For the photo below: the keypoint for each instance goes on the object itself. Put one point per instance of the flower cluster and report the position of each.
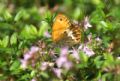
(29, 56)
(61, 60)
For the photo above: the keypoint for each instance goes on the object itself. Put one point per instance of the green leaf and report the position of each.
(15, 65)
(2, 77)
(29, 32)
(33, 30)
(78, 13)
(13, 39)
(7, 15)
(98, 4)
(33, 73)
(109, 60)
(98, 61)
(105, 26)
(25, 77)
(48, 17)
(115, 12)
(5, 41)
(19, 15)
(45, 75)
(97, 16)
(109, 57)
(83, 57)
(0, 42)
(44, 26)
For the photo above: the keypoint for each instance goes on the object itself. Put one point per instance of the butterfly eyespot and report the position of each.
(60, 19)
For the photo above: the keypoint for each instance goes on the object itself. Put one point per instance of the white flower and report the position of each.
(118, 58)
(23, 64)
(44, 66)
(61, 60)
(76, 54)
(57, 72)
(89, 52)
(86, 23)
(64, 51)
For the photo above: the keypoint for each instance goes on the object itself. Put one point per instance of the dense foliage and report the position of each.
(27, 52)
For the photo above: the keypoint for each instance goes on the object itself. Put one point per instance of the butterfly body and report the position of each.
(65, 31)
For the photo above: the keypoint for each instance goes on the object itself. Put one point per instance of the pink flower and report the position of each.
(100, 80)
(33, 62)
(88, 51)
(98, 39)
(44, 66)
(68, 65)
(27, 56)
(75, 54)
(33, 50)
(86, 23)
(64, 51)
(57, 72)
(23, 64)
(61, 60)
(33, 79)
(47, 34)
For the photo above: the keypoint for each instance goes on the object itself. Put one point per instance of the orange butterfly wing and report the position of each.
(60, 25)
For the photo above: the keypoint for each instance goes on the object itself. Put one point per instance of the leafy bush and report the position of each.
(27, 52)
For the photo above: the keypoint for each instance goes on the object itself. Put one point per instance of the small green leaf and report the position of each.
(33, 73)
(48, 17)
(109, 60)
(29, 32)
(45, 75)
(109, 57)
(0, 42)
(98, 61)
(5, 41)
(33, 30)
(13, 39)
(97, 16)
(25, 77)
(78, 13)
(83, 57)
(7, 15)
(19, 15)
(43, 28)
(15, 65)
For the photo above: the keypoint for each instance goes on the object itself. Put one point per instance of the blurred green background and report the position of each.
(23, 22)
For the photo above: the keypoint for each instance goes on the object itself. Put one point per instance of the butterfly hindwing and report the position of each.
(74, 34)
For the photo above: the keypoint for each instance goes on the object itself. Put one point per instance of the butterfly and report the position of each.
(63, 30)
